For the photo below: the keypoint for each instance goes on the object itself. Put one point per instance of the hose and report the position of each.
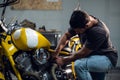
(53, 71)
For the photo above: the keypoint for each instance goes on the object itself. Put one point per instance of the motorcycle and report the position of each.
(26, 54)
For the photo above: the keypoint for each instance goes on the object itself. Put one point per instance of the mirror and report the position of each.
(4, 3)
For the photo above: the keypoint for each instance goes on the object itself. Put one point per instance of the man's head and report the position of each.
(79, 19)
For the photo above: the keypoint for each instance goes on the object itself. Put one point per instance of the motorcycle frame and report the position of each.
(8, 50)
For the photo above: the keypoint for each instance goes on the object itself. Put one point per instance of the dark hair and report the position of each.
(78, 19)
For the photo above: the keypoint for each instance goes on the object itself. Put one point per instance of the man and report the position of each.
(97, 53)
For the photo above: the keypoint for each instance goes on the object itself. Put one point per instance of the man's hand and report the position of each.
(59, 61)
(55, 54)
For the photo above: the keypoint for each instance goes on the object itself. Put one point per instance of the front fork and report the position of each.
(2, 77)
(4, 69)
(9, 51)
(18, 75)
(7, 66)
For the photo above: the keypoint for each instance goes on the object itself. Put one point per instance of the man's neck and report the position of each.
(93, 21)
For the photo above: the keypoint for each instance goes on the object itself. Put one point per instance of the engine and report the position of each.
(63, 73)
(37, 65)
(33, 63)
(23, 62)
(41, 56)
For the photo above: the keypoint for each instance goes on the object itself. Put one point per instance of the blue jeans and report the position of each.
(95, 63)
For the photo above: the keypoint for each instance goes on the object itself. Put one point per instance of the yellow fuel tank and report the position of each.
(27, 39)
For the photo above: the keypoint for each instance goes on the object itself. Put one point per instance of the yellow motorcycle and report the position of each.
(26, 54)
